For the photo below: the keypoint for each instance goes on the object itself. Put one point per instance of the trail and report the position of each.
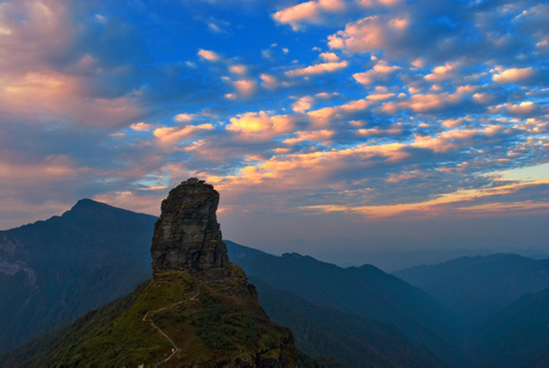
(175, 349)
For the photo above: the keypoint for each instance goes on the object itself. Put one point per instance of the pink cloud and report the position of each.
(317, 69)
(309, 12)
(513, 75)
(209, 55)
(172, 135)
(369, 34)
(423, 103)
(380, 71)
(303, 104)
(141, 126)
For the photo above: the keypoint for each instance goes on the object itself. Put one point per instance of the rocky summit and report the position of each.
(187, 235)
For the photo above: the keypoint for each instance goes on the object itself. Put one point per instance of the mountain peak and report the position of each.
(87, 204)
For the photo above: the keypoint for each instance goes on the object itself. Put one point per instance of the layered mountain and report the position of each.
(517, 336)
(385, 305)
(53, 271)
(477, 287)
(198, 310)
(352, 340)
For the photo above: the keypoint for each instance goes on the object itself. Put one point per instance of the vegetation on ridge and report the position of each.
(208, 324)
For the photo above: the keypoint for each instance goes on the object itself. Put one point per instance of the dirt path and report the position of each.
(175, 349)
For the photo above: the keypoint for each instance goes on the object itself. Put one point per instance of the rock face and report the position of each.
(187, 235)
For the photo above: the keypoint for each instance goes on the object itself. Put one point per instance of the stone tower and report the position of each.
(187, 234)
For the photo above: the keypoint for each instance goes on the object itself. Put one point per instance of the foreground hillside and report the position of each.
(176, 320)
(52, 271)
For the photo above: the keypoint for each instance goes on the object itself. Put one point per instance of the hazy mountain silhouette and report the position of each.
(476, 287)
(54, 270)
(367, 292)
(350, 339)
(517, 336)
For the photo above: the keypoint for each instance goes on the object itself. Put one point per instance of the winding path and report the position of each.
(175, 349)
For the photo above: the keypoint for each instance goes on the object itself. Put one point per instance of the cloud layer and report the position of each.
(376, 109)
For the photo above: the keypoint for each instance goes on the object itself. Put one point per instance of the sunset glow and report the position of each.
(365, 109)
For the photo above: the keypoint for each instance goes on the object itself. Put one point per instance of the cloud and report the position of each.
(209, 55)
(183, 118)
(172, 135)
(141, 126)
(329, 56)
(238, 69)
(303, 104)
(513, 75)
(259, 126)
(379, 71)
(317, 69)
(268, 81)
(422, 103)
(524, 109)
(323, 135)
(442, 72)
(245, 87)
(309, 12)
(369, 34)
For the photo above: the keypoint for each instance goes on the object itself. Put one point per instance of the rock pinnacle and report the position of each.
(187, 234)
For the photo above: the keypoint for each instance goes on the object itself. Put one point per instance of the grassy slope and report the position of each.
(221, 326)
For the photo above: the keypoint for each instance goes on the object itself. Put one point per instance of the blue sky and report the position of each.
(323, 112)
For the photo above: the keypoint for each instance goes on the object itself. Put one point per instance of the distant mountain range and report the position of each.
(516, 336)
(365, 292)
(468, 311)
(477, 287)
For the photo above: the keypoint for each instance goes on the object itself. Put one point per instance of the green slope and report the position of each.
(175, 320)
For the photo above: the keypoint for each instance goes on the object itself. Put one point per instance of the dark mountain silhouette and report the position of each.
(476, 287)
(197, 311)
(53, 271)
(350, 339)
(366, 292)
(517, 336)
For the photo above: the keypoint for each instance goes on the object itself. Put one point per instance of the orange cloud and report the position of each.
(260, 126)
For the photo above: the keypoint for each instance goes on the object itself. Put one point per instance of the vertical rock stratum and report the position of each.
(197, 311)
(187, 235)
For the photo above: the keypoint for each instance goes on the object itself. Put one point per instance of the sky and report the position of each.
(331, 127)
